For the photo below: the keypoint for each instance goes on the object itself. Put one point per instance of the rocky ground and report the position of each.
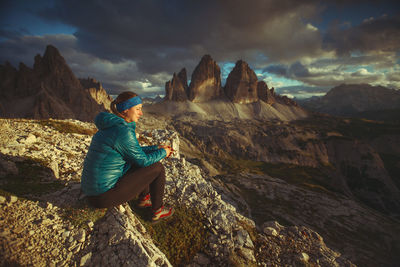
(45, 221)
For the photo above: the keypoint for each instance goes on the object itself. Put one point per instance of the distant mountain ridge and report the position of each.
(242, 85)
(49, 90)
(355, 100)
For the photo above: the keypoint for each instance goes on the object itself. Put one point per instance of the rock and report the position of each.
(248, 254)
(264, 93)
(13, 199)
(243, 239)
(121, 209)
(7, 168)
(85, 259)
(2, 199)
(4, 150)
(80, 236)
(304, 257)
(55, 252)
(177, 88)
(30, 139)
(66, 234)
(97, 92)
(270, 231)
(273, 224)
(205, 83)
(54, 167)
(241, 84)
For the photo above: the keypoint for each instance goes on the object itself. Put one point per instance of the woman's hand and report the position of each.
(168, 149)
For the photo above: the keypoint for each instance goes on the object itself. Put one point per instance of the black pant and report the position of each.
(137, 181)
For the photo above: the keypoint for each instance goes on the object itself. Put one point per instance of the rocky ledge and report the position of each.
(37, 229)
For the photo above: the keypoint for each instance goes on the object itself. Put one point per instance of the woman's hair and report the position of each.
(121, 98)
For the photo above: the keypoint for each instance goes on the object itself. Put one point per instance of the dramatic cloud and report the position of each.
(139, 44)
(374, 34)
(168, 35)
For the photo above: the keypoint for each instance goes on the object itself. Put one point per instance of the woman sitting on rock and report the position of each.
(117, 169)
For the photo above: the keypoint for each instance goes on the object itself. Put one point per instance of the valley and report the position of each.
(337, 176)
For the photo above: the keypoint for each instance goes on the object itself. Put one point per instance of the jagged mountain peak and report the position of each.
(49, 90)
(205, 84)
(241, 84)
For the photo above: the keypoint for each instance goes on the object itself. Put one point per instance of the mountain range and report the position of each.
(357, 100)
(242, 97)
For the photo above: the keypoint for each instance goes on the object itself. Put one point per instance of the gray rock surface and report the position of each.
(36, 232)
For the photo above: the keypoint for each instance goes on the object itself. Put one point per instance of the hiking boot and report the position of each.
(162, 213)
(145, 202)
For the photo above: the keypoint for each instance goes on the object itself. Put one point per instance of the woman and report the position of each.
(117, 169)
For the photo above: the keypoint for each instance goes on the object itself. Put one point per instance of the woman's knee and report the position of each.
(158, 166)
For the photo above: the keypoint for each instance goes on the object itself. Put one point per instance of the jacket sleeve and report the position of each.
(149, 149)
(131, 151)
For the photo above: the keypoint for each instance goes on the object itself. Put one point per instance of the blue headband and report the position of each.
(131, 102)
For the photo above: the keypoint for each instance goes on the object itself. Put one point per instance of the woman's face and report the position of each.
(133, 114)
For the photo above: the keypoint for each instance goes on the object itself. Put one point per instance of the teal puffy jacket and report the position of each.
(113, 150)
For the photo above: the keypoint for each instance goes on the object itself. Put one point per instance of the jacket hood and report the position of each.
(106, 120)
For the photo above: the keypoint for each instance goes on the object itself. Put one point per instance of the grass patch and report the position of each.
(80, 214)
(181, 237)
(31, 180)
(67, 127)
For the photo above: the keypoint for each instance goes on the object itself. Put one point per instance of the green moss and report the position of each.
(79, 215)
(67, 127)
(31, 180)
(180, 237)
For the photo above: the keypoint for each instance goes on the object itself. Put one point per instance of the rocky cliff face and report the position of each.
(205, 84)
(264, 93)
(241, 84)
(97, 92)
(177, 88)
(119, 237)
(50, 89)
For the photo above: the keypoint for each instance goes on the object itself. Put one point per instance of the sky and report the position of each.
(301, 48)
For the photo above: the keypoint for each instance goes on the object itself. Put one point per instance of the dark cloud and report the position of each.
(374, 34)
(24, 48)
(280, 70)
(294, 71)
(298, 70)
(140, 44)
(167, 35)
